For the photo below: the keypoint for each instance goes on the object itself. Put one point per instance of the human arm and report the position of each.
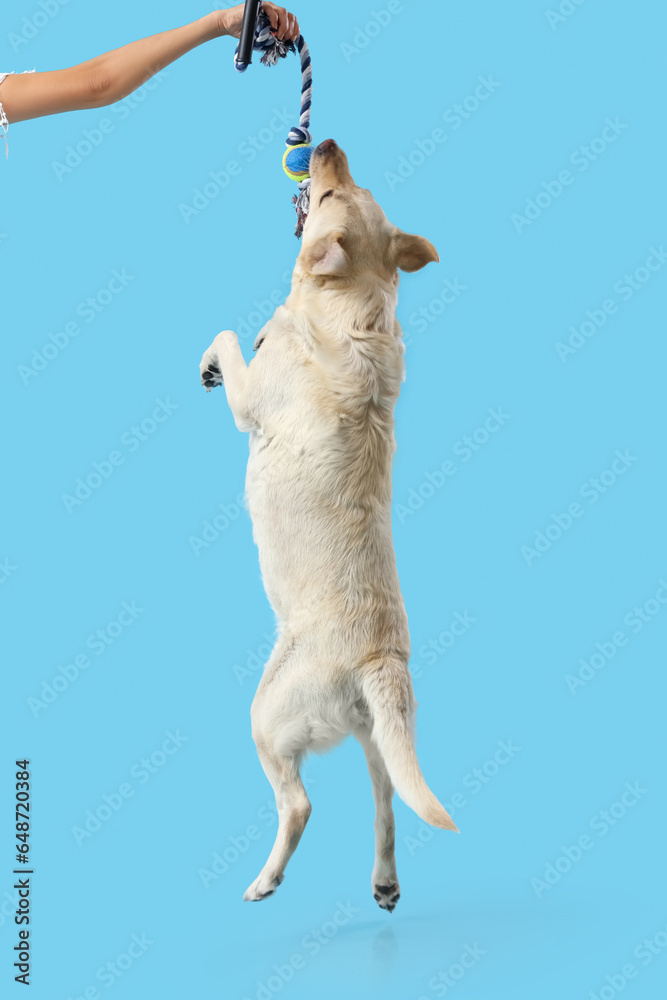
(110, 77)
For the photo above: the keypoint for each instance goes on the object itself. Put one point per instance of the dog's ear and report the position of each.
(411, 253)
(325, 256)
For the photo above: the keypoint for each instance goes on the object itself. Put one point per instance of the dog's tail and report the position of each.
(388, 692)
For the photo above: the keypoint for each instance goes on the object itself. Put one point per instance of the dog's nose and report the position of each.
(326, 147)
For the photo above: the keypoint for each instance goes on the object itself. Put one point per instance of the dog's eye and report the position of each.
(325, 195)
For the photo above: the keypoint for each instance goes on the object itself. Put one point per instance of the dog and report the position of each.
(317, 401)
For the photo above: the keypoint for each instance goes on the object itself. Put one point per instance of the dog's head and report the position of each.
(347, 235)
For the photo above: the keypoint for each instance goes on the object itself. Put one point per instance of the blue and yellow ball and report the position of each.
(296, 161)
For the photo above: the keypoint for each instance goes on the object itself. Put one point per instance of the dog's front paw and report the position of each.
(386, 895)
(211, 375)
(263, 887)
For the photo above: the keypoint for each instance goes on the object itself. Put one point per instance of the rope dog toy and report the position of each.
(256, 34)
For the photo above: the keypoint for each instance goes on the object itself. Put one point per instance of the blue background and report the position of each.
(183, 663)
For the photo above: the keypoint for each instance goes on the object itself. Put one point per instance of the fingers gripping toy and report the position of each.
(256, 33)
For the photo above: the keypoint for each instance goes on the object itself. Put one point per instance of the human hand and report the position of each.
(285, 25)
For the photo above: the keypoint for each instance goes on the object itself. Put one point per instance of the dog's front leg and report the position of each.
(223, 363)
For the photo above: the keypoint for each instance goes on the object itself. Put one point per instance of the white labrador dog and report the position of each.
(318, 401)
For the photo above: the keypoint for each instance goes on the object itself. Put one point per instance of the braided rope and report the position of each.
(302, 133)
(272, 50)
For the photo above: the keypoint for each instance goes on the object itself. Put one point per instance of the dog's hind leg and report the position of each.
(293, 812)
(384, 880)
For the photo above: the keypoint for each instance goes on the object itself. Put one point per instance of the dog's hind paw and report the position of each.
(386, 895)
(262, 888)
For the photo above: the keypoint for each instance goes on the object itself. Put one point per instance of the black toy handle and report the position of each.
(250, 13)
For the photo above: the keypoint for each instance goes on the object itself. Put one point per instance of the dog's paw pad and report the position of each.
(265, 895)
(387, 896)
(262, 888)
(211, 377)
